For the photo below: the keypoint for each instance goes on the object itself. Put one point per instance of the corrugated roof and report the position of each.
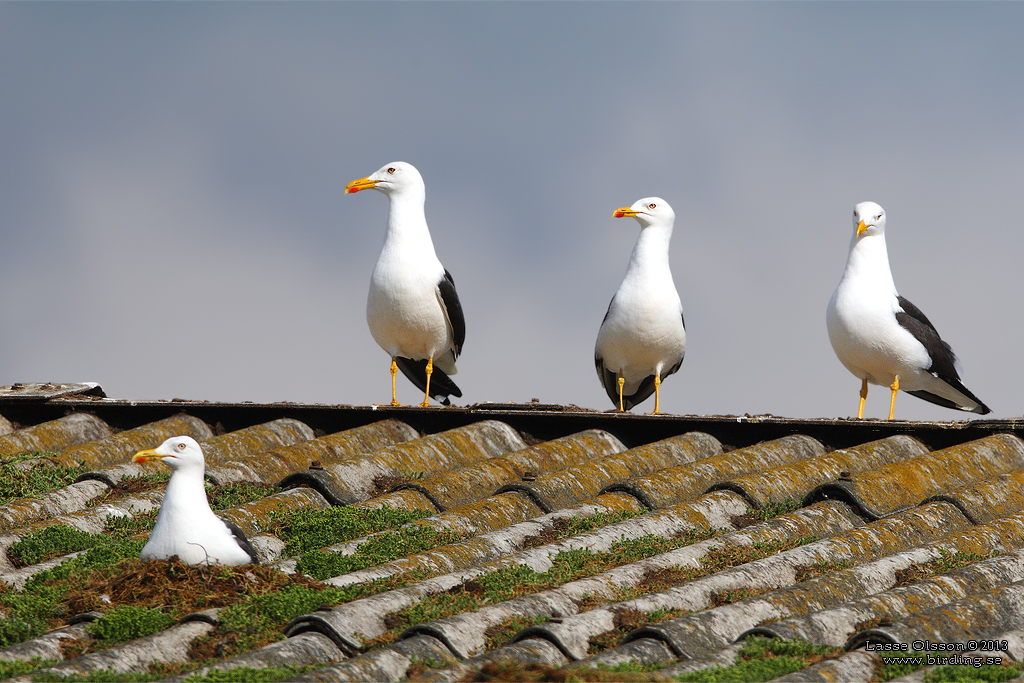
(442, 542)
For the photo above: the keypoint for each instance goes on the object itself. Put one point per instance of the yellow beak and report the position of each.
(861, 228)
(143, 456)
(624, 212)
(361, 184)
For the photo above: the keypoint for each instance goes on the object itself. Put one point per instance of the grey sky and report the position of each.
(172, 222)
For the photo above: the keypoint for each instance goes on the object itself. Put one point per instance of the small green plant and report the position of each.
(37, 608)
(137, 525)
(307, 530)
(248, 675)
(51, 542)
(157, 673)
(17, 483)
(375, 551)
(233, 495)
(946, 562)
(983, 673)
(128, 623)
(12, 669)
(768, 511)
(764, 659)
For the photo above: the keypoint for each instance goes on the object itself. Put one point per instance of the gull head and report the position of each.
(178, 453)
(394, 178)
(868, 219)
(648, 211)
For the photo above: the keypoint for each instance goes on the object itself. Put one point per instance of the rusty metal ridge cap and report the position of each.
(955, 502)
(843, 491)
(320, 481)
(530, 493)
(206, 616)
(542, 633)
(652, 632)
(423, 490)
(880, 635)
(433, 632)
(97, 475)
(629, 489)
(765, 631)
(738, 489)
(316, 624)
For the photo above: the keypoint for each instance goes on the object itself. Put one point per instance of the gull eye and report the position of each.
(878, 217)
(652, 206)
(391, 171)
(181, 446)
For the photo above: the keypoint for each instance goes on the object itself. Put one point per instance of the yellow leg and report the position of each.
(657, 396)
(430, 371)
(895, 386)
(863, 397)
(394, 389)
(622, 383)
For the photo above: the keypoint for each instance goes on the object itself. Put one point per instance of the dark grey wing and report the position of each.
(241, 540)
(453, 309)
(914, 321)
(943, 359)
(441, 385)
(608, 378)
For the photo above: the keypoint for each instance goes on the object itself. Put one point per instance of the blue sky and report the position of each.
(172, 222)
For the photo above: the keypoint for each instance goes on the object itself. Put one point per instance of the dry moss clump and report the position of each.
(176, 587)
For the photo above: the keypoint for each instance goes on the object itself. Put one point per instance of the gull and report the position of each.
(880, 336)
(186, 526)
(412, 308)
(642, 338)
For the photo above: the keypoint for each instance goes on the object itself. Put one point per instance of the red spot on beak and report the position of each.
(618, 214)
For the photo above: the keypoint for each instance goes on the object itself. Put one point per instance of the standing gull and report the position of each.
(186, 526)
(412, 308)
(881, 337)
(642, 337)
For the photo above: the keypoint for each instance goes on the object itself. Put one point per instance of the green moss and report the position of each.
(247, 675)
(307, 530)
(256, 621)
(128, 623)
(985, 673)
(375, 551)
(516, 580)
(104, 676)
(124, 528)
(16, 483)
(49, 543)
(233, 495)
(580, 525)
(945, 563)
(12, 669)
(31, 611)
(763, 659)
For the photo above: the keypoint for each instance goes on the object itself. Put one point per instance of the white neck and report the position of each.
(869, 262)
(186, 494)
(407, 224)
(651, 250)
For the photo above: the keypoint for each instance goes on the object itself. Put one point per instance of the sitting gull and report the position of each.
(412, 308)
(642, 337)
(186, 526)
(881, 337)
